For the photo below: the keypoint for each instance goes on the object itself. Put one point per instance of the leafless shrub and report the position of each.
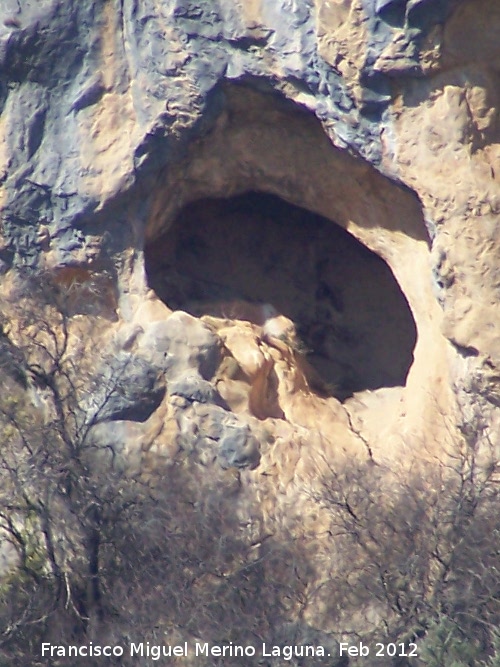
(99, 557)
(416, 545)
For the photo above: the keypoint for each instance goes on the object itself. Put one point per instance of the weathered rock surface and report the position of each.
(338, 161)
(179, 344)
(128, 388)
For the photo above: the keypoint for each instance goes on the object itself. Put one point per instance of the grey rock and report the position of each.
(115, 448)
(238, 448)
(179, 344)
(380, 5)
(128, 388)
(127, 336)
(217, 435)
(170, 57)
(90, 94)
(423, 14)
(194, 388)
(179, 51)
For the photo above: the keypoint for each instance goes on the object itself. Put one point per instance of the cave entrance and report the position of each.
(348, 308)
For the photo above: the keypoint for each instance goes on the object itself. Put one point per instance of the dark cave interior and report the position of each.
(348, 308)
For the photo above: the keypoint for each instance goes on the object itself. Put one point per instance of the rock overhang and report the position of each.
(181, 105)
(167, 111)
(261, 142)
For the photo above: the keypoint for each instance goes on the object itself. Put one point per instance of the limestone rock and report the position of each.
(380, 116)
(194, 388)
(129, 388)
(213, 434)
(281, 222)
(238, 448)
(180, 343)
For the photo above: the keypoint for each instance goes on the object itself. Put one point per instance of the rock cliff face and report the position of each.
(285, 212)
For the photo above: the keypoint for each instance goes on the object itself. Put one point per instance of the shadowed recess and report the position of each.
(349, 310)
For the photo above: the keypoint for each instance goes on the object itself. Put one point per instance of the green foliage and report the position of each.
(445, 645)
(495, 643)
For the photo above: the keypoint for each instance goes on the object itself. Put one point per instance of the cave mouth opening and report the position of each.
(349, 311)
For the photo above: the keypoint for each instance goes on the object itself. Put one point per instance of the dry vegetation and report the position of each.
(100, 558)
